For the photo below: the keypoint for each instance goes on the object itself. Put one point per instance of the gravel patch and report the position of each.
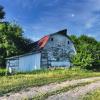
(76, 93)
(31, 92)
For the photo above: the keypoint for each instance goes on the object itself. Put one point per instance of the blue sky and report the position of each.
(41, 17)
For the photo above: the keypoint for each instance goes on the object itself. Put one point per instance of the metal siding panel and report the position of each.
(30, 62)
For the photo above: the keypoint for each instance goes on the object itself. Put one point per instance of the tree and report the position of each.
(12, 41)
(86, 39)
(88, 52)
(83, 59)
(2, 13)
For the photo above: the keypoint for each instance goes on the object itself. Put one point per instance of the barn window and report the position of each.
(51, 39)
(68, 42)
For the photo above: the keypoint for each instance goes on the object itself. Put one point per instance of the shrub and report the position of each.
(83, 58)
(88, 52)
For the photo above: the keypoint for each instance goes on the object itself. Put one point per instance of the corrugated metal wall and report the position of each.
(25, 63)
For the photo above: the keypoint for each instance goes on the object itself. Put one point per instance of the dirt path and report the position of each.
(76, 93)
(31, 92)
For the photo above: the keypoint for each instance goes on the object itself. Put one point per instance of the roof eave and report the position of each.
(33, 52)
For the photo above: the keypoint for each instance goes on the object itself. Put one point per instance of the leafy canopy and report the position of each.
(88, 52)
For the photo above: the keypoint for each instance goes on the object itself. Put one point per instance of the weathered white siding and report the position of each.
(26, 63)
(58, 51)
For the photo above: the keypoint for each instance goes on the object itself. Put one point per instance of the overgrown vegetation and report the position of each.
(88, 52)
(2, 72)
(20, 81)
(94, 95)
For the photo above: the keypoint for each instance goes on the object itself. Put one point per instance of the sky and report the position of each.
(42, 17)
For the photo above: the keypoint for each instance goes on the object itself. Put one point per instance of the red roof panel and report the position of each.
(43, 41)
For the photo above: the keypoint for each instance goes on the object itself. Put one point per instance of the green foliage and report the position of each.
(2, 72)
(88, 52)
(12, 41)
(83, 58)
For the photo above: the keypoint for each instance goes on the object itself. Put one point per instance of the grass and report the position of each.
(2, 72)
(64, 89)
(37, 78)
(94, 95)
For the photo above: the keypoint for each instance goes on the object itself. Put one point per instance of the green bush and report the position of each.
(88, 52)
(83, 58)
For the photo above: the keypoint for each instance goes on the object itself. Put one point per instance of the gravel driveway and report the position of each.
(76, 93)
(70, 95)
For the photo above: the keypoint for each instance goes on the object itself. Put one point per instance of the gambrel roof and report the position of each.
(38, 45)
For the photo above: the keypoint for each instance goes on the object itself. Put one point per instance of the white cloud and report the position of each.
(90, 22)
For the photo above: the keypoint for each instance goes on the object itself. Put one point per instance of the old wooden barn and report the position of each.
(52, 50)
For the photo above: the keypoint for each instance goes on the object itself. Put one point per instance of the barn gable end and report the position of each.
(57, 51)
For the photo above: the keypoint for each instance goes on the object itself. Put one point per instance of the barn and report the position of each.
(53, 50)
